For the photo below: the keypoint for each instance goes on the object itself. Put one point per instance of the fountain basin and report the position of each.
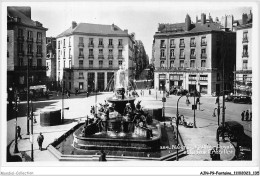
(121, 103)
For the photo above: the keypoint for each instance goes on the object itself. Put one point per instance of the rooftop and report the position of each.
(88, 28)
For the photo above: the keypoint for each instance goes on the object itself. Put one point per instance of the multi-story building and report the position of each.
(243, 73)
(141, 58)
(25, 47)
(89, 55)
(193, 55)
(51, 62)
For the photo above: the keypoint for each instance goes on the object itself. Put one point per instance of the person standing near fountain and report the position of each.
(40, 140)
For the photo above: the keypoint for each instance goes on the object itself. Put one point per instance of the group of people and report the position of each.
(246, 116)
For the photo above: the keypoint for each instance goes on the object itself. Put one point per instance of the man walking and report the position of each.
(243, 115)
(19, 132)
(40, 140)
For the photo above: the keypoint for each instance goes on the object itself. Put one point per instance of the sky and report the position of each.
(140, 17)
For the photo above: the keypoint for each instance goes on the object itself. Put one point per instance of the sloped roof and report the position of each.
(207, 27)
(12, 12)
(89, 28)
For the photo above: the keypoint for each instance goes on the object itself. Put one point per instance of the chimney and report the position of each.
(187, 23)
(203, 18)
(244, 18)
(113, 27)
(125, 30)
(216, 19)
(210, 19)
(74, 24)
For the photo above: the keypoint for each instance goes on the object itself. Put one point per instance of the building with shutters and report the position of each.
(25, 47)
(243, 73)
(89, 55)
(193, 55)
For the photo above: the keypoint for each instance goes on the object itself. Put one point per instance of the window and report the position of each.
(120, 52)
(91, 52)
(163, 43)
(192, 52)
(58, 53)
(203, 51)
(20, 47)
(100, 51)
(100, 63)
(181, 41)
(172, 42)
(80, 63)
(100, 42)
(245, 34)
(110, 42)
(81, 75)
(91, 63)
(181, 52)
(64, 53)
(192, 63)
(203, 77)
(69, 41)
(81, 40)
(192, 41)
(7, 53)
(81, 52)
(39, 49)
(20, 32)
(120, 42)
(39, 62)
(110, 63)
(203, 40)
(91, 41)
(81, 85)
(245, 51)
(59, 65)
(171, 64)
(20, 61)
(30, 62)
(70, 53)
(203, 63)
(244, 78)
(7, 38)
(172, 53)
(162, 64)
(244, 64)
(70, 63)
(120, 63)
(59, 45)
(39, 36)
(64, 42)
(162, 53)
(182, 63)
(30, 35)
(110, 52)
(29, 48)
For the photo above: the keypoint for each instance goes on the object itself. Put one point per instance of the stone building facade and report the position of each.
(193, 55)
(25, 45)
(51, 62)
(243, 73)
(89, 55)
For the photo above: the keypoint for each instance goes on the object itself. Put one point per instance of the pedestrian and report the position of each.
(247, 115)
(243, 116)
(102, 156)
(250, 116)
(217, 100)
(40, 140)
(19, 132)
(198, 100)
(149, 91)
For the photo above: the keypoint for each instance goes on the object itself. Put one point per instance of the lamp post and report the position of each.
(16, 110)
(177, 125)
(32, 158)
(163, 100)
(28, 91)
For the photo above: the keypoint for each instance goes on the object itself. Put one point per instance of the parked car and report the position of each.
(242, 99)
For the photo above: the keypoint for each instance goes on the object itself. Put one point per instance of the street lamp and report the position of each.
(16, 111)
(32, 158)
(177, 124)
(28, 91)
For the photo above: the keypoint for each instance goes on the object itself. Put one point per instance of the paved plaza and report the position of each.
(198, 141)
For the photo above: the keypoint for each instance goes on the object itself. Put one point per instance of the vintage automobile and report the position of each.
(242, 99)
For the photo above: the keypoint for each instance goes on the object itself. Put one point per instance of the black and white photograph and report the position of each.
(121, 87)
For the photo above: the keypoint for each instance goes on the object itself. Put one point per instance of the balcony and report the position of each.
(101, 46)
(20, 53)
(38, 54)
(203, 56)
(101, 56)
(110, 46)
(81, 45)
(182, 45)
(172, 57)
(203, 43)
(193, 44)
(91, 45)
(245, 40)
(38, 68)
(120, 57)
(244, 54)
(120, 46)
(172, 46)
(30, 54)
(162, 46)
(81, 56)
(91, 56)
(20, 38)
(182, 57)
(192, 78)
(110, 57)
(192, 56)
(29, 40)
(163, 58)
(38, 40)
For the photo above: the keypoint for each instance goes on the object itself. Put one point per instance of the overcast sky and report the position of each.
(142, 18)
